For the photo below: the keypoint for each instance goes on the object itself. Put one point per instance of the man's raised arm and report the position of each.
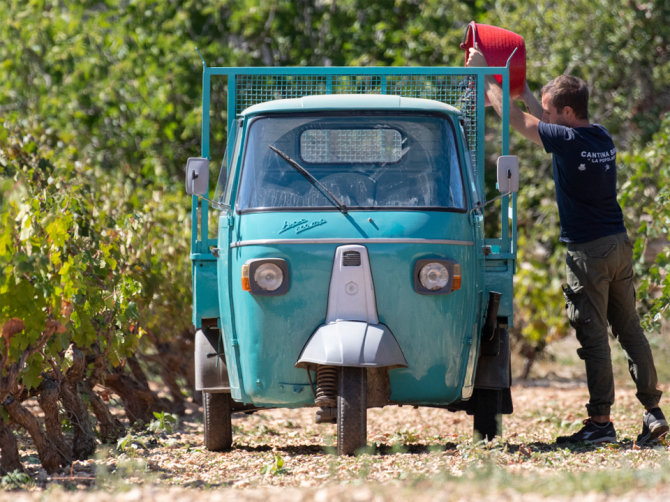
(524, 123)
(534, 107)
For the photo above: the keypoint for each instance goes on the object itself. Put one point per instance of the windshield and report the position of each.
(366, 161)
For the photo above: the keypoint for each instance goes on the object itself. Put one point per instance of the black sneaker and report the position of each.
(590, 433)
(654, 426)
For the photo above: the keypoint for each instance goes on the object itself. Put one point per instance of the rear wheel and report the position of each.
(352, 411)
(487, 413)
(218, 427)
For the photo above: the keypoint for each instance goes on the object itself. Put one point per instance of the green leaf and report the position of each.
(31, 375)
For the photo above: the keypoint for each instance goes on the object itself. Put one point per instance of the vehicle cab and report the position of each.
(350, 267)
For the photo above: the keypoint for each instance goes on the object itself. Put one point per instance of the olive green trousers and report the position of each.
(599, 293)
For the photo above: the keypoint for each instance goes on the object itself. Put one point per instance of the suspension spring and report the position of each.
(326, 386)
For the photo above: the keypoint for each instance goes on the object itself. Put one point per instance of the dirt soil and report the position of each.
(419, 453)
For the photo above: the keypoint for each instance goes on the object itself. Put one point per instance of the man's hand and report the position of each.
(476, 58)
(523, 123)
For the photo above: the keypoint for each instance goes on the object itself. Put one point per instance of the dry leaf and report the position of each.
(12, 327)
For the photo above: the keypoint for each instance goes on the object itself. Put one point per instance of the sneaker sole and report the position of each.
(658, 432)
(607, 439)
(602, 440)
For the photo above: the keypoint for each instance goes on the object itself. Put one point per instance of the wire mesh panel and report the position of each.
(456, 90)
(254, 89)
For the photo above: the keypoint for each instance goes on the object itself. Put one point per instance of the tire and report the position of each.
(218, 426)
(487, 414)
(352, 411)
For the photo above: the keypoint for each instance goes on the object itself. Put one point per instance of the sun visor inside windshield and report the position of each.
(351, 146)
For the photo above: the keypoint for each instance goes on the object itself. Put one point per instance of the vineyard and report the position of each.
(99, 109)
(94, 269)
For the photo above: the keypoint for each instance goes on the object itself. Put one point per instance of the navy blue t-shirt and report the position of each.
(584, 168)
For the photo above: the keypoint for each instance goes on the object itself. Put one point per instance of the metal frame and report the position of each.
(200, 241)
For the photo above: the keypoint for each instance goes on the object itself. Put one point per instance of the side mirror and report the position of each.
(508, 174)
(197, 176)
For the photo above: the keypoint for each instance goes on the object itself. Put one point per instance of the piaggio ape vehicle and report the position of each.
(351, 268)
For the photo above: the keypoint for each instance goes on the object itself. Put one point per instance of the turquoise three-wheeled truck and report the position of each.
(351, 269)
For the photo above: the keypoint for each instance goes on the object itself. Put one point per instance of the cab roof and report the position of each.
(350, 102)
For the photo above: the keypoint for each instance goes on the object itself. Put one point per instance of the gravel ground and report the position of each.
(418, 454)
(327, 494)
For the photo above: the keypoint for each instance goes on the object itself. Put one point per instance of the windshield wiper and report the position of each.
(310, 178)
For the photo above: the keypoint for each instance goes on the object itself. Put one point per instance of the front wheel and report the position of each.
(218, 426)
(352, 411)
(487, 414)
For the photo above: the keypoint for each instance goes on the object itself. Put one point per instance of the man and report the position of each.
(599, 259)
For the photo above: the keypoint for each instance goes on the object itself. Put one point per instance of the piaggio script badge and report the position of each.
(301, 225)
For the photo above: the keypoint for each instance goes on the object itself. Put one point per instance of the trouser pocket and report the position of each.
(578, 307)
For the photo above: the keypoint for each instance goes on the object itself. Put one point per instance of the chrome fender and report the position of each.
(352, 343)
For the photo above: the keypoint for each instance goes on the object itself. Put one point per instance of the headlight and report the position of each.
(434, 276)
(269, 277)
(265, 276)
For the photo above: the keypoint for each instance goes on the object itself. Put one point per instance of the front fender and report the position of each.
(352, 344)
(494, 372)
(211, 373)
